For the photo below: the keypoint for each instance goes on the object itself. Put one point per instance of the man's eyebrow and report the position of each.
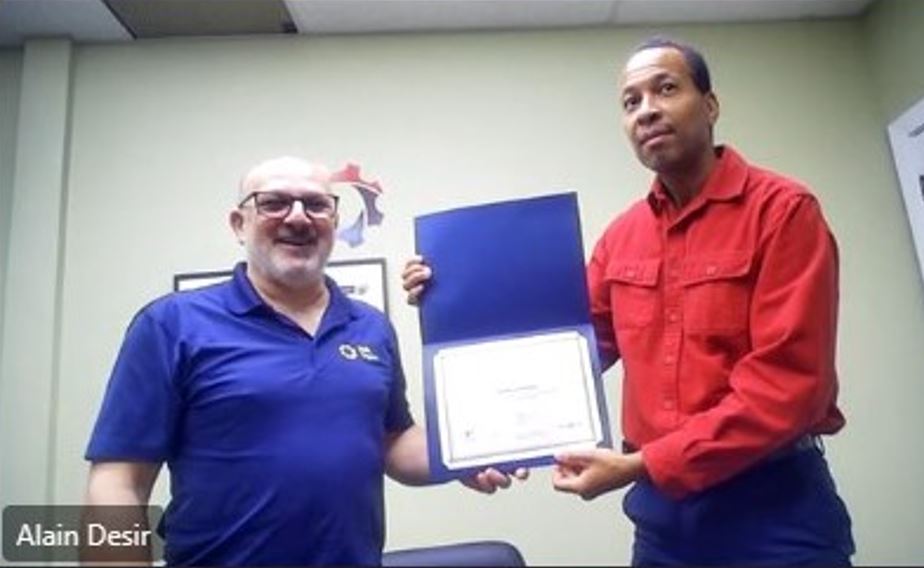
(659, 76)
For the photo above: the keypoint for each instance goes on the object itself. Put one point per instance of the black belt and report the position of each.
(803, 443)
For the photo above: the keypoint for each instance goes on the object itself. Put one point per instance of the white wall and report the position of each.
(31, 322)
(10, 65)
(161, 130)
(895, 43)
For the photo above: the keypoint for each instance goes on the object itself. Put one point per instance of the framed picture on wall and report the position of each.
(193, 280)
(362, 280)
(906, 135)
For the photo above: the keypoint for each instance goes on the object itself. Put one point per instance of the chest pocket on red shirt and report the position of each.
(716, 292)
(633, 291)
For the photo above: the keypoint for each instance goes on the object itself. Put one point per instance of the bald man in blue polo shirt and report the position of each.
(276, 402)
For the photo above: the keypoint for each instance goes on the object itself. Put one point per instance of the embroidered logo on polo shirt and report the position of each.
(348, 352)
(351, 352)
(366, 353)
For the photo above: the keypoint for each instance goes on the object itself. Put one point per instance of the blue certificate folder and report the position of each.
(504, 270)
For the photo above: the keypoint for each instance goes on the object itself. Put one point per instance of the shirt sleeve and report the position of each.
(787, 383)
(398, 415)
(600, 307)
(141, 408)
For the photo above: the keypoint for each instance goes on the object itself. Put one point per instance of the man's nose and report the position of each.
(298, 213)
(648, 110)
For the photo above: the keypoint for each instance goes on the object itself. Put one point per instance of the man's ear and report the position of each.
(236, 221)
(712, 107)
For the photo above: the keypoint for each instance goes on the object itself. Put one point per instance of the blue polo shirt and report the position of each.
(274, 439)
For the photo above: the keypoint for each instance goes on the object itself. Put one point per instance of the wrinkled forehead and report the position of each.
(287, 174)
(652, 63)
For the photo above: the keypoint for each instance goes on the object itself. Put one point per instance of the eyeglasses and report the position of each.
(276, 205)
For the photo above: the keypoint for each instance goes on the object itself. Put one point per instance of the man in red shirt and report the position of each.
(719, 293)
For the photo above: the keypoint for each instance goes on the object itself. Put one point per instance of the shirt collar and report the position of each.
(243, 298)
(340, 310)
(726, 182)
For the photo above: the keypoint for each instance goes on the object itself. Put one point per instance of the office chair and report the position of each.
(480, 553)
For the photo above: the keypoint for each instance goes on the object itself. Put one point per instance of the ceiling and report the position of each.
(125, 20)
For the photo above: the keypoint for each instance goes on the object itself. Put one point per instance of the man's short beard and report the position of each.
(297, 276)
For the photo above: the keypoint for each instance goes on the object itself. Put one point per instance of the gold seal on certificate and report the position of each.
(515, 399)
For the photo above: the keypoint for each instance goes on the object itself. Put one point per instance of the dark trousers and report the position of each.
(782, 513)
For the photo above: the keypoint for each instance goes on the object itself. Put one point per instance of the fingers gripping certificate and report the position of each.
(511, 374)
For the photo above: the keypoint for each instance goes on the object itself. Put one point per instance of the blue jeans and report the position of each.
(781, 513)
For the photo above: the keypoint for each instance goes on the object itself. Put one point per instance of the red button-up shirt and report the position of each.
(724, 313)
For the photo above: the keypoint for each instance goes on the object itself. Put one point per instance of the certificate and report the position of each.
(511, 372)
(515, 399)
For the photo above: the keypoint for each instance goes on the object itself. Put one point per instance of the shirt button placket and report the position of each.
(673, 322)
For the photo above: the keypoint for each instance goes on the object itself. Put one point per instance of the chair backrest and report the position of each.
(481, 553)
